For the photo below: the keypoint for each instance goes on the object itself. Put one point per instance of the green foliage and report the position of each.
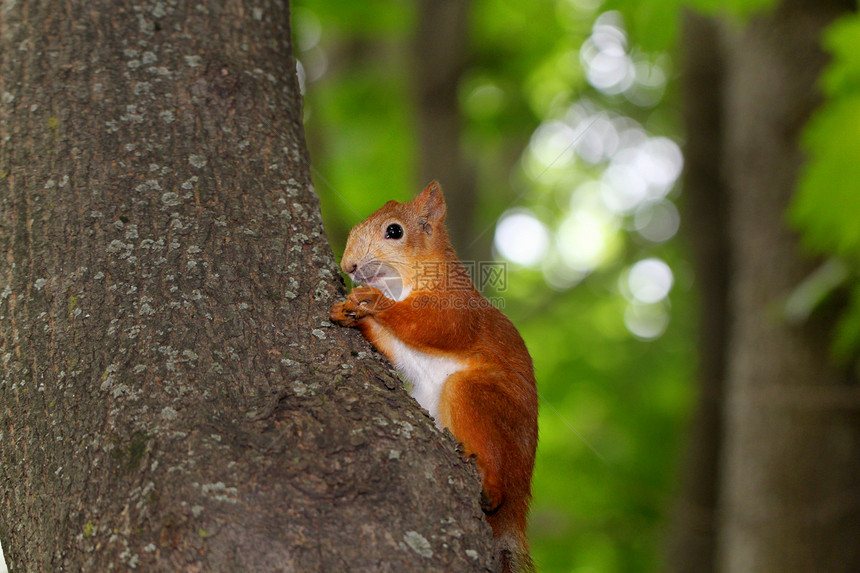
(359, 121)
(371, 19)
(532, 68)
(611, 424)
(827, 202)
(842, 77)
(613, 405)
(740, 9)
(654, 23)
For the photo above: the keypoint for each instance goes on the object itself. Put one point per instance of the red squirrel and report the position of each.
(466, 362)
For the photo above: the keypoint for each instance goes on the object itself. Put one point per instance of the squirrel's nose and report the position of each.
(351, 268)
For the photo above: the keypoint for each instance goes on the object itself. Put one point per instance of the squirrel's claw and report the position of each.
(339, 314)
(362, 301)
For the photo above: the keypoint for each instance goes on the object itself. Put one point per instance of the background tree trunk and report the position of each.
(441, 54)
(172, 395)
(771, 475)
(792, 442)
(692, 538)
(786, 477)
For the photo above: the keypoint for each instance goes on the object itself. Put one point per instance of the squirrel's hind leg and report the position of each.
(482, 416)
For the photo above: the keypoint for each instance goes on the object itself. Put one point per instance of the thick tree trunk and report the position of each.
(792, 444)
(692, 539)
(172, 395)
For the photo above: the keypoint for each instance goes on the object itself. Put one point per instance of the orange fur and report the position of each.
(489, 399)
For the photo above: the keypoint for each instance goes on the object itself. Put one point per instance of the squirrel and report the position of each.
(466, 362)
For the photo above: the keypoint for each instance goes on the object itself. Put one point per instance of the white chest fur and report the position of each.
(426, 373)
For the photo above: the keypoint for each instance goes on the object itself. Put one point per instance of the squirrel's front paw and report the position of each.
(362, 301)
(366, 300)
(340, 315)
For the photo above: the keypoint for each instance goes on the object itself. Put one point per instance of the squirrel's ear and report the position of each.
(431, 203)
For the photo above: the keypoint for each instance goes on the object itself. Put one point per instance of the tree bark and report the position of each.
(792, 443)
(172, 395)
(692, 538)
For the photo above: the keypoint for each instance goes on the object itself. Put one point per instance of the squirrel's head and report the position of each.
(390, 247)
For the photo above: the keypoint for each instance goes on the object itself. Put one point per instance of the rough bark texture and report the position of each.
(692, 539)
(172, 395)
(792, 443)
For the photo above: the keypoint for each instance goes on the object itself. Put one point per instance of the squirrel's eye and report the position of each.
(394, 231)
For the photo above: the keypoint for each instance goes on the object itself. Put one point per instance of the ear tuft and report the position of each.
(431, 204)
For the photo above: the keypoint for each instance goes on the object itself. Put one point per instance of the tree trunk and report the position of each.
(692, 539)
(172, 395)
(792, 443)
(441, 53)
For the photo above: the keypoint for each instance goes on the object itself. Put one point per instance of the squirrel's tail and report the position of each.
(513, 557)
(509, 540)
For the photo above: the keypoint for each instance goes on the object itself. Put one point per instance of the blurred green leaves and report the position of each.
(358, 113)
(827, 204)
(654, 23)
(543, 130)
(563, 105)
(828, 201)
(611, 417)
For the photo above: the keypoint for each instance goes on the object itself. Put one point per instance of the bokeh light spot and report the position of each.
(646, 321)
(521, 238)
(650, 280)
(586, 239)
(657, 221)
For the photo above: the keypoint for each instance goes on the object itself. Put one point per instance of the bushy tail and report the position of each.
(509, 523)
(512, 555)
